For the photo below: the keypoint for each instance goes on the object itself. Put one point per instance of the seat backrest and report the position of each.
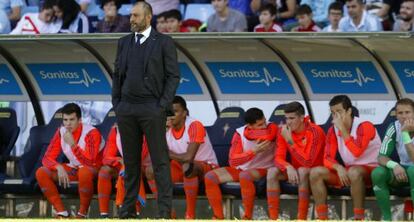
(107, 123)
(8, 129)
(29, 9)
(199, 11)
(125, 9)
(278, 115)
(382, 127)
(29, 161)
(222, 131)
(328, 123)
(55, 122)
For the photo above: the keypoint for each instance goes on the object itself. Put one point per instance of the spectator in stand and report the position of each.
(358, 20)
(173, 19)
(285, 10)
(243, 6)
(192, 25)
(380, 9)
(73, 20)
(40, 22)
(161, 23)
(305, 20)
(84, 4)
(319, 10)
(267, 18)
(13, 9)
(112, 22)
(225, 19)
(405, 20)
(159, 6)
(336, 11)
(4, 22)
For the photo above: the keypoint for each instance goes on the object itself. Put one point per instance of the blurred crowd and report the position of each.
(74, 16)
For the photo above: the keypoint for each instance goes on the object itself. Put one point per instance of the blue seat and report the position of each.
(107, 123)
(125, 9)
(9, 131)
(278, 115)
(28, 164)
(199, 11)
(222, 131)
(30, 9)
(382, 127)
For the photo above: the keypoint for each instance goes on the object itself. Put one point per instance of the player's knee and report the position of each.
(378, 174)
(86, 173)
(272, 173)
(149, 173)
(246, 175)
(211, 177)
(42, 173)
(105, 172)
(304, 173)
(316, 174)
(356, 173)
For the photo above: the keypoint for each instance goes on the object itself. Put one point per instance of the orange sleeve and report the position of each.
(110, 156)
(236, 155)
(88, 155)
(331, 148)
(53, 151)
(196, 132)
(365, 133)
(315, 142)
(280, 154)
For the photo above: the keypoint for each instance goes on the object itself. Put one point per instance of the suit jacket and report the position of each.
(161, 72)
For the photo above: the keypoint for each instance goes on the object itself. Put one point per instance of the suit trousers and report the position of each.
(134, 122)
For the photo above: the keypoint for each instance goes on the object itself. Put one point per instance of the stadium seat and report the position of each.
(9, 131)
(278, 115)
(107, 123)
(328, 123)
(125, 9)
(198, 11)
(390, 118)
(28, 164)
(221, 132)
(29, 9)
(182, 9)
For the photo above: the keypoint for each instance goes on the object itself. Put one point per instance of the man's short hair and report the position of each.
(118, 3)
(147, 7)
(361, 2)
(295, 107)
(341, 99)
(180, 100)
(252, 115)
(337, 6)
(405, 101)
(48, 4)
(268, 7)
(72, 108)
(304, 10)
(162, 15)
(174, 13)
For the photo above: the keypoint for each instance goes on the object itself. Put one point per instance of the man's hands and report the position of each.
(63, 177)
(408, 125)
(68, 138)
(400, 174)
(292, 174)
(287, 134)
(261, 147)
(338, 120)
(343, 176)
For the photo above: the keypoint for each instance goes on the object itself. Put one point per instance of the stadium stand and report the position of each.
(198, 11)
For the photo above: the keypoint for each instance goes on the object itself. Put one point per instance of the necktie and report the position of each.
(138, 38)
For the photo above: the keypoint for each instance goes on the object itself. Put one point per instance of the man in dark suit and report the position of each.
(144, 84)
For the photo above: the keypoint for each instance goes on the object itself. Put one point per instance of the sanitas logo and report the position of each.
(87, 79)
(409, 73)
(183, 80)
(252, 75)
(2, 81)
(360, 78)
